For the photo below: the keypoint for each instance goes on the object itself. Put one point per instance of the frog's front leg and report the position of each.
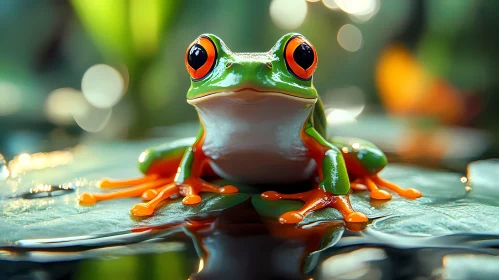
(333, 188)
(364, 161)
(187, 183)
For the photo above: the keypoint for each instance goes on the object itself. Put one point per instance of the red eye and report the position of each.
(301, 57)
(200, 58)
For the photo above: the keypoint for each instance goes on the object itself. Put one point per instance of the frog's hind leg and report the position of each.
(190, 189)
(159, 166)
(373, 189)
(112, 183)
(358, 185)
(364, 161)
(408, 193)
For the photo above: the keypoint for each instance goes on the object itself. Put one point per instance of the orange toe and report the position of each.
(191, 199)
(356, 217)
(149, 195)
(87, 198)
(292, 217)
(380, 194)
(228, 189)
(412, 193)
(270, 195)
(104, 183)
(142, 209)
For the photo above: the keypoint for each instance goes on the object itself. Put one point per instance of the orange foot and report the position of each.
(372, 183)
(154, 190)
(314, 200)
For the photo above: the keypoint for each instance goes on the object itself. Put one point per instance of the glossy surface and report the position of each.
(262, 122)
(265, 71)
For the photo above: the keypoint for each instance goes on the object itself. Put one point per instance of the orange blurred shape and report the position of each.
(407, 89)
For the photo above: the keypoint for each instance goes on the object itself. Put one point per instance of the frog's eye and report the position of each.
(200, 58)
(301, 57)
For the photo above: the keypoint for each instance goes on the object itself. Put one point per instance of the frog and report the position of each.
(262, 122)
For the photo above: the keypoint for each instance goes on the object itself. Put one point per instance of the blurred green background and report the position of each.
(418, 78)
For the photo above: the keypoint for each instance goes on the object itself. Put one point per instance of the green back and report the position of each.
(319, 120)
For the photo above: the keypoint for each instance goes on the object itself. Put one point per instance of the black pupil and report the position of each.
(197, 56)
(304, 56)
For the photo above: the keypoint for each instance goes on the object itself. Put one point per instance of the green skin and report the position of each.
(252, 71)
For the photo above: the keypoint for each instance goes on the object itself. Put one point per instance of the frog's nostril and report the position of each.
(269, 65)
(229, 64)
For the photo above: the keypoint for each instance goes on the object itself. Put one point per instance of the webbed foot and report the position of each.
(373, 182)
(135, 187)
(314, 200)
(190, 190)
(154, 190)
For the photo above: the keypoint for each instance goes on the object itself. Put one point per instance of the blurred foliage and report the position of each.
(129, 32)
(170, 265)
(49, 44)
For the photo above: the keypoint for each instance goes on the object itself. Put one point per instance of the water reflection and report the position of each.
(235, 247)
(238, 244)
(417, 240)
(353, 265)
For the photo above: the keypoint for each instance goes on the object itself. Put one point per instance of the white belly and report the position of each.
(257, 141)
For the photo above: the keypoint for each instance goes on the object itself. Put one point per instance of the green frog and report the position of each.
(262, 122)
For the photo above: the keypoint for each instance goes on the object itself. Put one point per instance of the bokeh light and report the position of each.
(103, 86)
(63, 103)
(339, 116)
(10, 99)
(288, 14)
(357, 17)
(26, 162)
(94, 119)
(65, 106)
(357, 7)
(350, 38)
(349, 98)
(4, 171)
(331, 4)
(343, 105)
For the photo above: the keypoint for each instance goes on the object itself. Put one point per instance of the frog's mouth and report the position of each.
(249, 95)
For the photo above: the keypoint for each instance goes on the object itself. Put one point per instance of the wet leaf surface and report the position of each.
(445, 208)
(61, 216)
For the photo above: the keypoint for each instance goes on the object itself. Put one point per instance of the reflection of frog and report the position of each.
(262, 122)
(260, 248)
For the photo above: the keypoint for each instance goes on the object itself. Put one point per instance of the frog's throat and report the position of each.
(248, 95)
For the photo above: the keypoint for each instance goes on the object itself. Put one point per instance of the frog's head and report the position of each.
(284, 72)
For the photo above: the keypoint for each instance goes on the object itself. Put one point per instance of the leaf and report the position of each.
(50, 217)
(175, 210)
